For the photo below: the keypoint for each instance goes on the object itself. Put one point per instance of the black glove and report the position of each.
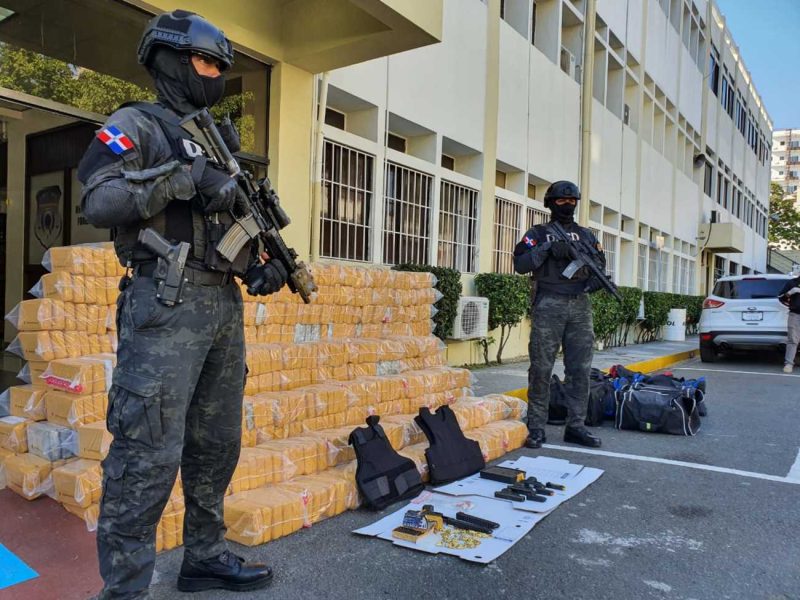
(592, 285)
(267, 278)
(559, 249)
(217, 191)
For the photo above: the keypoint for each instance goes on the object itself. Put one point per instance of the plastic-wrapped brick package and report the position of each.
(29, 476)
(14, 434)
(258, 516)
(4, 454)
(94, 440)
(37, 315)
(25, 401)
(417, 454)
(78, 483)
(518, 408)
(324, 495)
(51, 345)
(513, 433)
(89, 515)
(411, 432)
(258, 467)
(77, 289)
(301, 455)
(95, 260)
(52, 442)
(74, 410)
(84, 375)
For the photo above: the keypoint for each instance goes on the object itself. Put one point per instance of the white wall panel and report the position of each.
(554, 121)
(512, 132)
(655, 205)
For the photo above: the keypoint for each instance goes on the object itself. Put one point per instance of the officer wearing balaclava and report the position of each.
(561, 317)
(176, 396)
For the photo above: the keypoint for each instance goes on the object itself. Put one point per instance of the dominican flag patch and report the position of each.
(115, 139)
(529, 242)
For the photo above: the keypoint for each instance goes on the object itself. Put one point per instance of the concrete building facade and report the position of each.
(786, 160)
(454, 144)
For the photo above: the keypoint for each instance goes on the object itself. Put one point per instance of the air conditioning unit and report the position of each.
(567, 62)
(472, 318)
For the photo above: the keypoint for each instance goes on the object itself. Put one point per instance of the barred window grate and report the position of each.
(347, 184)
(458, 227)
(719, 268)
(652, 269)
(641, 279)
(507, 216)
(610, 249)
(690, 289)
(663, 258)
(407, 215)
(534, 216)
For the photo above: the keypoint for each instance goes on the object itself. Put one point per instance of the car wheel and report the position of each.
(708, 355)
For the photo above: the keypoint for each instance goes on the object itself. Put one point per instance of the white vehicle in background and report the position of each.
(743, 312)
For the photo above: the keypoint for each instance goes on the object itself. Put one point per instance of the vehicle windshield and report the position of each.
(749, 289)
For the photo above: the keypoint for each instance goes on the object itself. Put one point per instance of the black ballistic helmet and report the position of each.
(561, 189)
(185, 31)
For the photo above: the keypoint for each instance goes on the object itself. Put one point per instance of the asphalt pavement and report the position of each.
(709, 517)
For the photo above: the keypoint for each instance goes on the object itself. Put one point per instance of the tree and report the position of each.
(509, 301)
(784, 220)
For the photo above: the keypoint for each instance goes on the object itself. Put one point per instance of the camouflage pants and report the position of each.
(566, 321)
(176, 401)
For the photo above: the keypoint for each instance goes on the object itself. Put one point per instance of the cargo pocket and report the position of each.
(135, 409)
(113, 485)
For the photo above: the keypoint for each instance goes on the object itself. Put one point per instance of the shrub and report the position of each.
(449, 285)
(612, 320)
(509, 301)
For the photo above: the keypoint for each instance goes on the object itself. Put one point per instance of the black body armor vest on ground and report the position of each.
(382, 475)
(181, 221)
(451, 455)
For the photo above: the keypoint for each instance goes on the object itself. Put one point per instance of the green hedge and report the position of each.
(613, 321)
(449, 284)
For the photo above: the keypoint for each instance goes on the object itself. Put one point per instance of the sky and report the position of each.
(768, 35)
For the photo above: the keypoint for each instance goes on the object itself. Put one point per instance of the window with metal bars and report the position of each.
(641, 278)
(406, 215)
(347, 184)
(690, 277)
(458, 227)
(610, 249)
(506, 234)
(663, 269)
(534, 216)
(676, 276)
(652, 269)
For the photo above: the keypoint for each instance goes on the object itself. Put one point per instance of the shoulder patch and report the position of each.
(116, 140)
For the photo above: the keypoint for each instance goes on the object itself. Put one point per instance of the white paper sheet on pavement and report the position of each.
(575, 478)
(475, 496)
(514, 524)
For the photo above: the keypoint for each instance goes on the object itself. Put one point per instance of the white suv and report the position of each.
(743, 311)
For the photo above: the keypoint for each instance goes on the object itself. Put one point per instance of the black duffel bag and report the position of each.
(656, 409)
(557, 409)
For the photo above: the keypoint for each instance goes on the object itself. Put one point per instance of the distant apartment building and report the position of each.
(786, 159)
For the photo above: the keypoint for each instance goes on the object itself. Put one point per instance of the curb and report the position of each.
(643, 366)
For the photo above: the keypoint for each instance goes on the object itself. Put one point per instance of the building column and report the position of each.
(492, 94)
(291, 124)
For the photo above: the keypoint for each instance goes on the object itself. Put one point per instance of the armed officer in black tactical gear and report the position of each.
(176, 398)
(561, 316)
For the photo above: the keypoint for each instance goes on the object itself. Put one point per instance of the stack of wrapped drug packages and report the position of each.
(364, 346)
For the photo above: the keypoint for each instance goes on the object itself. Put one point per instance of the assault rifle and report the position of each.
(582, 255)
(257, 213)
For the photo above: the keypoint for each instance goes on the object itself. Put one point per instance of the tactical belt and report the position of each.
(193, 275)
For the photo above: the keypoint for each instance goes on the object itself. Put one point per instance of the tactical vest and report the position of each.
(451, 455)
(180, 221)
(382, 475)
(548, 276)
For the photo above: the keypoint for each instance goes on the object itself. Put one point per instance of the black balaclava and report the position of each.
(563, 214)
(178, 84)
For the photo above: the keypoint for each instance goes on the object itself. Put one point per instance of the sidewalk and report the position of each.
(653, 356)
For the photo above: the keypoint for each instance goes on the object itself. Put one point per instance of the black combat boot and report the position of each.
(226, 571)
(582, 436)
(536, 438)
